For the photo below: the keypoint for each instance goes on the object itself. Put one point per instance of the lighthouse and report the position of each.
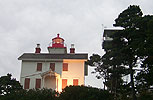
(55, 69)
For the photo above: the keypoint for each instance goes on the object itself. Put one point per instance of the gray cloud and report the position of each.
(24, 23)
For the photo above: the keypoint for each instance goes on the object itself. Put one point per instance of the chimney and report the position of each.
(38, 49)
(72, 49)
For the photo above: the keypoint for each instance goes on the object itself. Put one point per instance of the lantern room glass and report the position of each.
(58, 41)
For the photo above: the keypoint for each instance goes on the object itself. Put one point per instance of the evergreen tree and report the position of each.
(109, 68)
(128, 48)
(8, 85)
(144, 77)
(96, 61)
(128, 19)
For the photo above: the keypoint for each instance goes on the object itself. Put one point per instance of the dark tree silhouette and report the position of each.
(8, 85)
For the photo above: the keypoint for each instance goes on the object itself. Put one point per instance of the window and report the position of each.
(39, 66)
(75, 82)
(52, 66)
(65, 66)
(64, 83)
(38, 83)
(26, 83)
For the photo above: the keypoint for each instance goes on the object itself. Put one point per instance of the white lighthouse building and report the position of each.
(55, 69)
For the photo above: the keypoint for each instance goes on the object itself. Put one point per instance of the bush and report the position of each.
(84, 93)
(32, 94)
(146, 95)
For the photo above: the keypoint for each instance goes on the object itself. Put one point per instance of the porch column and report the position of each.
(56, 83)
(42, 81)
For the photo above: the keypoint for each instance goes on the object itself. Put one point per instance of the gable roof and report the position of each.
(43, 56)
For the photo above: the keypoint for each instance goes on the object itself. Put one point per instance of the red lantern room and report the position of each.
(57, 42)
(57, 45)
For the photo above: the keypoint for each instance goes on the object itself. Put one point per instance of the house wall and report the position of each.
(29, 70)
(75, 71)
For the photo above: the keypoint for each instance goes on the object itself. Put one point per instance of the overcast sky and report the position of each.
(24, 23)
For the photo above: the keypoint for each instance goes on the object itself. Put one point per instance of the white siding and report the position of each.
(29, 70)
(75, 71)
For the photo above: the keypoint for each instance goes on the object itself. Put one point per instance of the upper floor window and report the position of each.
(52, 66)
(39, 66)
(65, 66)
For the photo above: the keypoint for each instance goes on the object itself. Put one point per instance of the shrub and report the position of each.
(84, 93)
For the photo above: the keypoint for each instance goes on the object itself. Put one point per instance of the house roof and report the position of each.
(43, 56)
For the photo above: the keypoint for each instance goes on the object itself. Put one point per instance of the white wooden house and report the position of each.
(55, 69)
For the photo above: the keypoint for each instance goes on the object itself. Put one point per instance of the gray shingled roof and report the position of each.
(28, 56)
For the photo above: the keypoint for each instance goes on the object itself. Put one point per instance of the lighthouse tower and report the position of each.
(58, 46)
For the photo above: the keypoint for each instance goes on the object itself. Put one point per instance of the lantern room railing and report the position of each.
(57, 45)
